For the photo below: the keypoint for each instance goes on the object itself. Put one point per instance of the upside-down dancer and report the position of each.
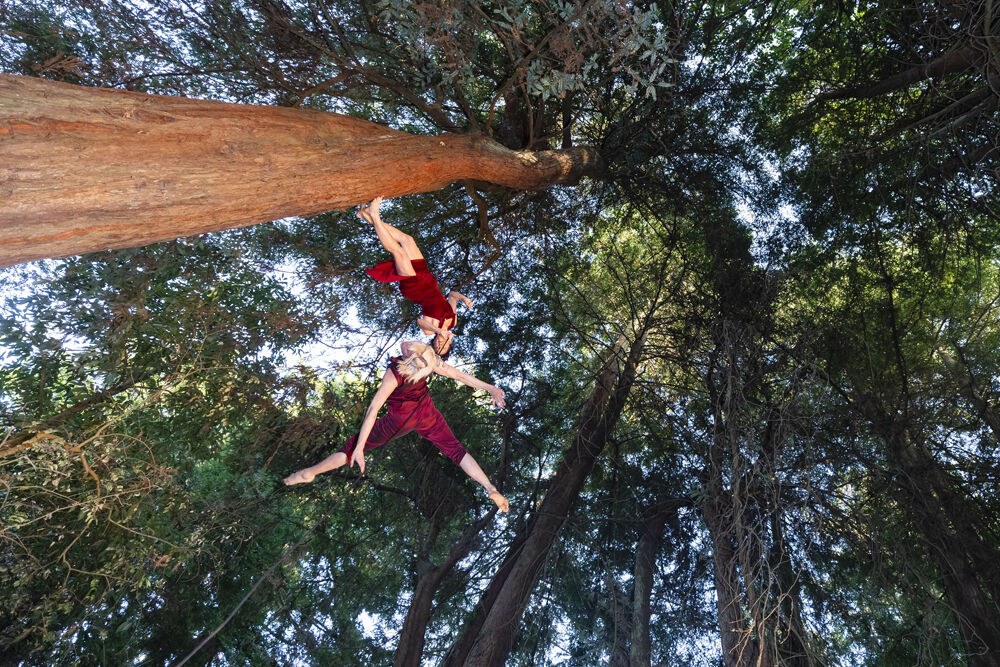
(404, 387)
(416, 282)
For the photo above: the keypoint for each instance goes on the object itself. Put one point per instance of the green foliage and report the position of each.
(810, 262)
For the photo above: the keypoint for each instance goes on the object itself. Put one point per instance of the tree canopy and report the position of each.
(750, 356)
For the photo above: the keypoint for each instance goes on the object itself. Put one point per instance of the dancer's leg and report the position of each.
(404, 240)
(433, 427)
(472, 469)
(392, 239)
(386, 428)
(307, 475)
(400, 256)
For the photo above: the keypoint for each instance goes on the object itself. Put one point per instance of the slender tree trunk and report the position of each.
(489, 637)
(642, 577)
(84, 169)
(969, 389)
(410, 648)
(621, 618)
(789, 631)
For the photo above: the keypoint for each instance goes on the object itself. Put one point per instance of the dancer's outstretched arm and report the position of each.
(389, 383)
(337, 459)
(450, 371)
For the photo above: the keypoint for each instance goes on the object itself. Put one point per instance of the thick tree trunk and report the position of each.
(728, 587)
(954, 550)
(718, 509)
(489, 637)
(84, 169)
(947, 524)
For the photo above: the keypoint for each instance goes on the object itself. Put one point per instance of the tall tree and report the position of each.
(116, 169)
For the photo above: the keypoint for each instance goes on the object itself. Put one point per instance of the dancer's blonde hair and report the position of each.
(419, 364)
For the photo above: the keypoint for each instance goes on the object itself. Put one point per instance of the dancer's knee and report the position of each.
(409, 245)
(456, 452)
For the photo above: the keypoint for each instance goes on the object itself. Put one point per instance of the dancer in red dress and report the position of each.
(416, 282)
(410, 409)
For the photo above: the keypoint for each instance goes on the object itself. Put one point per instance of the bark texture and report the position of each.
(717, 513)
(490, 636)
(85, 169)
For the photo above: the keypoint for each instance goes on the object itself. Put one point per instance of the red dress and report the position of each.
(422, 289)
(410, 409)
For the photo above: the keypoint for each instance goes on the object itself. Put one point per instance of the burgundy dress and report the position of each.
(422, 289)
(407, 412)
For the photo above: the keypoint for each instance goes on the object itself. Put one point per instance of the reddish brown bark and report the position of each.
(85, 169)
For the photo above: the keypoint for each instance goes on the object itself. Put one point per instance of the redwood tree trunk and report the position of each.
(410, 647)
(84, 169)
(621, 624)
(947, 523)
(645, 564)
(489, 637)
(716, 511)
(788, 631)
(953, 549)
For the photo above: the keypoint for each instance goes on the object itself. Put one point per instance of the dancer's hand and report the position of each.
(499, 500)
(458, 296)
(358, 457)
(442, 336)
(498, 397)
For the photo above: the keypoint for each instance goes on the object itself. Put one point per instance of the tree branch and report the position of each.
(953, 61)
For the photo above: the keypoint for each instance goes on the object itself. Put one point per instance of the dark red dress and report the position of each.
(407, 412)
(422, 289)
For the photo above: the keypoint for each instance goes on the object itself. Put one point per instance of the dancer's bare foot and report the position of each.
(500, 501)
(301, 477)
(370, 212)
(363, 214)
